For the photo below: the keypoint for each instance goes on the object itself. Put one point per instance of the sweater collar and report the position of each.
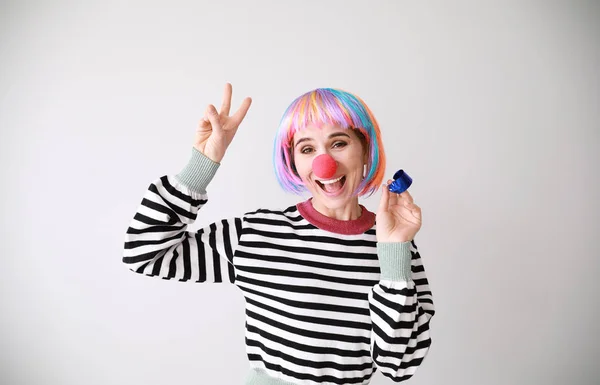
(351, 227)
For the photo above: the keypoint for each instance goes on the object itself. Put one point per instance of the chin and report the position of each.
(332, 202)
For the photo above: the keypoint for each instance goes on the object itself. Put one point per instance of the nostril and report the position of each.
(324, 166)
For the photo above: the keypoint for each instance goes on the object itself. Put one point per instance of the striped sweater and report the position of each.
(325, 303)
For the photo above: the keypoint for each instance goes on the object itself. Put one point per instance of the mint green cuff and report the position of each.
(394, 260)
(199, 171)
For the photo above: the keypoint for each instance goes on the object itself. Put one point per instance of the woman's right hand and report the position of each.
(217, 129)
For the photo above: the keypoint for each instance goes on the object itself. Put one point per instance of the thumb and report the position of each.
(385, 197)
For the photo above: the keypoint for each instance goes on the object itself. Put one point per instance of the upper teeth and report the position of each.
(331, 181)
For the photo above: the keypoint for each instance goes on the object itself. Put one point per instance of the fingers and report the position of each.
(406, 196)
(384, 202)
(405, 199)
(213, 118)
(414, 210)
(226, 103)
(417, 213)
(401, 206)
(204, 122)
(241, 112)
(395, 198)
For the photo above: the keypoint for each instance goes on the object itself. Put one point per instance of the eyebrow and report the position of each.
(334, 135)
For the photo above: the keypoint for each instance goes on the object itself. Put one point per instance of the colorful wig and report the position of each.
(333, 107)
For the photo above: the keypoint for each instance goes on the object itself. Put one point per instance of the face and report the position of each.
(346, 148)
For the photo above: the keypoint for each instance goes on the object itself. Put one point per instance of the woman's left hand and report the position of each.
(398, 217)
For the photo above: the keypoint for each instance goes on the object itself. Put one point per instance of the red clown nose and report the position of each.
(324, 166)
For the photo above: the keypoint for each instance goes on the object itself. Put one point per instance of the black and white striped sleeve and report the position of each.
(157, 242)
(401, 307)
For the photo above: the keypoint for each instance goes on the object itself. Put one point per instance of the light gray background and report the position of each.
(492, 107)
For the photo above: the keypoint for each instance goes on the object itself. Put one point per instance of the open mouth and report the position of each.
(332, 186)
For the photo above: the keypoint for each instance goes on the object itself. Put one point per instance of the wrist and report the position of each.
(216, 158)
(399, 239)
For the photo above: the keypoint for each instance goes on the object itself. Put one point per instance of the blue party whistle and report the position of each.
(401, 182)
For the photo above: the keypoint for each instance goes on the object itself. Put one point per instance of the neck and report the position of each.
(348, 212)
(359, 225)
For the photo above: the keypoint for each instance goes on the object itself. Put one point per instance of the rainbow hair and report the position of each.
(333, 107)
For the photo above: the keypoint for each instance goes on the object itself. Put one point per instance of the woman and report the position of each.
(330, 298)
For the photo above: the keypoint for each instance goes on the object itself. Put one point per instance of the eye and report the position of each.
(339, 144)
(306, 150)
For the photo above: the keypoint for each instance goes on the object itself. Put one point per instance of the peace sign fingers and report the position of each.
(240, 114)
(226, 104)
